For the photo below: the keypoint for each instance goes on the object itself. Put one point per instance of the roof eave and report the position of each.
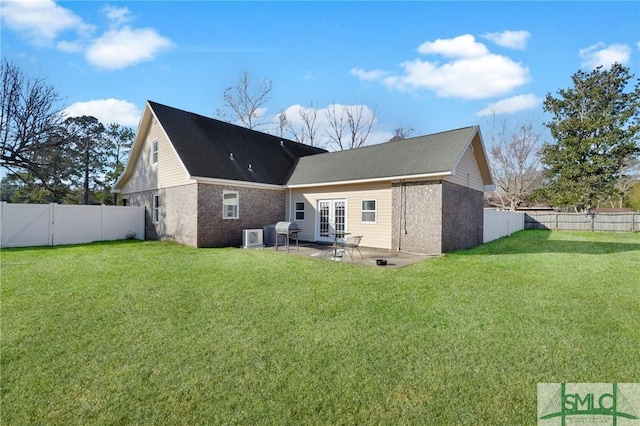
(373, 180)
(242, 183)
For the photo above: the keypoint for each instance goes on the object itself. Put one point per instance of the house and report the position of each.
(203, 181)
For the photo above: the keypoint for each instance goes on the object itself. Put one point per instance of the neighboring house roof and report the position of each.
(430, 155)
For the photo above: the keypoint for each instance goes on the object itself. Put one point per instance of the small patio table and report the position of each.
(336, 235)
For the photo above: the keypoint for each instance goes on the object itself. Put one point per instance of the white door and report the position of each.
(332, 217)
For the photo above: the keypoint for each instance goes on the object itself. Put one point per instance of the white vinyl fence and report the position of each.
(500, 223)
(24, 225)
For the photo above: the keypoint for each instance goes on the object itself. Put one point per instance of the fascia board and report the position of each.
(373, 180)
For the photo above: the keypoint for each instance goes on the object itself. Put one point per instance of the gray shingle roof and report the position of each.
(430, 154)
(205, 145)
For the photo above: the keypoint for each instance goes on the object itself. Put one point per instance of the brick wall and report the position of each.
(177, 215)
(462, 218)
(258, 207)
(417, 217)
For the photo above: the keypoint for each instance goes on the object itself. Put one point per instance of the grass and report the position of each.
(157, 333)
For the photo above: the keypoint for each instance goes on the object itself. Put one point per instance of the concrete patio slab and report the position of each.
(325, 252)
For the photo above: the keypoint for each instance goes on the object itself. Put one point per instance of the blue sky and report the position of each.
(428, 66)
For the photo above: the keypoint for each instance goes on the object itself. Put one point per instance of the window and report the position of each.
(299, 212)
(369, 211)
(155, 214)
(154, 152)
(230, 205)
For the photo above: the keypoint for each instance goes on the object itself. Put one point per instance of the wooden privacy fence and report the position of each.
(500, 223)
(24, 225)
(612, 222)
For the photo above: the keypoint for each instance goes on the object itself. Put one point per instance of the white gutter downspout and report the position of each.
(290, 204)
(402, 184)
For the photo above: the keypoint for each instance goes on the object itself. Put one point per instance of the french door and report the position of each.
(332, 217)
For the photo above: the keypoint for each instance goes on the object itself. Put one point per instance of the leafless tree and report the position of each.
(401, 134)
(247, 102)
(630, 176)
(305, 130)
(349, 125)
(29, 119)
(515, 164)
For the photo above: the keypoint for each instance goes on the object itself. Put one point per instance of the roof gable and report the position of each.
(212, 148)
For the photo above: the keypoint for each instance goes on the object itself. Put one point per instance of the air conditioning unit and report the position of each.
(252, 238)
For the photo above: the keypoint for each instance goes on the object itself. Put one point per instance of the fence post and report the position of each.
(2, 207)
(52, 224)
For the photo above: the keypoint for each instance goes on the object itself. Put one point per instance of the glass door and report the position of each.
(332, 217)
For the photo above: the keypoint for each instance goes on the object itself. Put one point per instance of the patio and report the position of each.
(324, 252)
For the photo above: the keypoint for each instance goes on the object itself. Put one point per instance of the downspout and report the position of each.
(402, 190)
(290, 204)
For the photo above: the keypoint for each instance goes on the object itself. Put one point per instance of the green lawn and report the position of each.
(157, 333)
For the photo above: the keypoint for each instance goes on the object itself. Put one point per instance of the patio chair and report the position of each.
(352, 243)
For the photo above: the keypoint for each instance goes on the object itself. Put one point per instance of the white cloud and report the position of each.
(117, 15)
(464, 46)
(472, 73)
(70, 46)
(41, 21)
(107, 111)
(601, 54)
(367, 75)
(510, 105)
(124, 47)
(510, 39)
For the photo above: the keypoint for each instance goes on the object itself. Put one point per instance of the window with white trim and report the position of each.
(155, 212)
(369, 212)
(230, 203)
(299, 211)
(154, 152)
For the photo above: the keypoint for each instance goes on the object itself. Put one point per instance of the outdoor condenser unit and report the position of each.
(252, 238)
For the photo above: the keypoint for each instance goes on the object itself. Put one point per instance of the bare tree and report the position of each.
(349, 125)
(304, 129)
(29, 119)
(630, 176)
(401, 134)
(247, 102)
(515, 164)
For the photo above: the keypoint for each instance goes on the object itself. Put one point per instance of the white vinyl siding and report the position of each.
(168, 172)
(467, 172)
(230, 204)
(376, 235)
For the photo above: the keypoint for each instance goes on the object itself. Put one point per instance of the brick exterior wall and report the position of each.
(177, 215)
(417, 217)
(463, 216)
(258, 207)
(434, 217)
